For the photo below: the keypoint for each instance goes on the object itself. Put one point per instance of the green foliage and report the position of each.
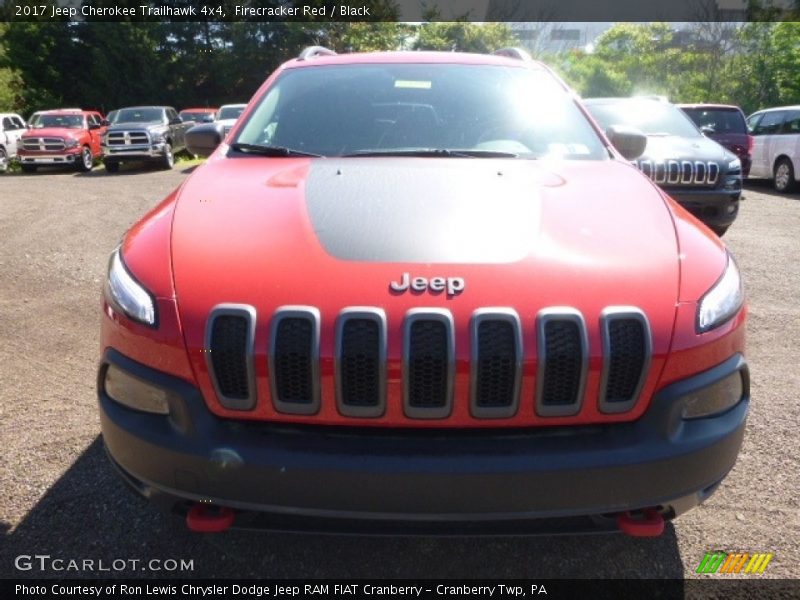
(10, 81)
(461, 36)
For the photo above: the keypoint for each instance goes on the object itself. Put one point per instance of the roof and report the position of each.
(774, 108)
(203, 109)
(411, 57)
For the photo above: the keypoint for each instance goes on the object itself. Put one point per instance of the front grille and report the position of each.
(229, 352)
(496, 363)
(427, 375)
(681, 172)
(626, 347)
(563, 362)
(48, 144)
(294, 360)
(360, 361)
(128, 138)
(428, 357)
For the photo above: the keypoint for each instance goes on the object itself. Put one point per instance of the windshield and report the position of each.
(230, 112)
(651, 117)
(384, 108)
(140, 115)
(64, 121)
(718, 120)
(195, 116)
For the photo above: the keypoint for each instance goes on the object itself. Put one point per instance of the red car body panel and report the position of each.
(85, 137)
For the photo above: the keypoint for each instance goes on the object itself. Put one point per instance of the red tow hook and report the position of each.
(205, 518)
(649, 524)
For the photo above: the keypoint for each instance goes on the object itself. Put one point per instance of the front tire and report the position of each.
(169, 158)
(86, 161)
(111, 166)
(3, 160)
(784, 176)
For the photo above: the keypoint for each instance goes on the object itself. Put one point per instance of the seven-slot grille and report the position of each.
(428, 360)
(127, 138)
(46, 144)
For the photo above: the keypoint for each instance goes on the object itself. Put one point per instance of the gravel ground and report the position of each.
(59, 496)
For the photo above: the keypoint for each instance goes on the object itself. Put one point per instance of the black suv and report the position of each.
(704, 177)
(144, 133)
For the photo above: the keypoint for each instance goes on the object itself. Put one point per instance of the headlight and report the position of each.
(158, 138)
(715, 398)
(70, 143)
(127, 295)
(735, 165)
(722, 301)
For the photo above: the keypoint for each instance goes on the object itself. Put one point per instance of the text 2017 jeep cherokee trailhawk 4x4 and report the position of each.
(422, 290)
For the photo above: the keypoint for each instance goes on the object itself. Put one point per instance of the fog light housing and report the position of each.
(714, 399)
(135, 393)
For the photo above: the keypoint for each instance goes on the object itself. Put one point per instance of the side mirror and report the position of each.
(202, 140)
(105, 123)
(94, 126)
(176, 121)
(208, 119)
(629, 141)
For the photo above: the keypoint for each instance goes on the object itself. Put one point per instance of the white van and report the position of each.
(12, 126)
(776, 146)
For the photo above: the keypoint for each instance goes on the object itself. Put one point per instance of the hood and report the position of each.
(333, 233)
(666, 147)
(52, 132)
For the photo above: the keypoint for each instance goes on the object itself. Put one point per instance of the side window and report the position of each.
(770, 123)
(752, 122)
(18, 122)
(171, 114)
(791, 126)
(7, 124)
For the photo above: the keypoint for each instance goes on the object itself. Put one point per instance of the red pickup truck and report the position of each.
(62, 137)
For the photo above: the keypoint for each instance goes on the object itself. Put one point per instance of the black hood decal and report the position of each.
(443, 210)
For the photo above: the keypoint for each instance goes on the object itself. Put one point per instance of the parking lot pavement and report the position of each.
(59, 495)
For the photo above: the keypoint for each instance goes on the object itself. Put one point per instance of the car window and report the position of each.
(19, 123)
(140, 115)
(346, 109)
(791, 124)
(230, 112)
(65, 121)
(7, 124)
(769, 123)
(651, 117)
(718, 120)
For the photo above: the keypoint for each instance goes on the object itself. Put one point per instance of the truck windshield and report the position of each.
(230, 112)
(63, 121)
(140, 115)
(479, 110)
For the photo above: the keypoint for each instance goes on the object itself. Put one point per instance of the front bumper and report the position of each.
(301, 477)
(67, 158)
(135, 152)
(715, 208)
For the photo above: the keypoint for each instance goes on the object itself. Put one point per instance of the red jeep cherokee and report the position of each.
(67, 137)
(421, 292)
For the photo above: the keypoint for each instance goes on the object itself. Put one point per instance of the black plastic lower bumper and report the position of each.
(715, 208)
(306, 476)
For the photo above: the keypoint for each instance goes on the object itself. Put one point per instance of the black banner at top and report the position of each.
(399, 10)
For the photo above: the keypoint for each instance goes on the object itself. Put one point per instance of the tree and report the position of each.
(461, 36)
(10, 80)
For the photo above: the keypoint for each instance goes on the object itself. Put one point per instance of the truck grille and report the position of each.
(680, 172)
(428, 361)
(47, 144)
(127, 138)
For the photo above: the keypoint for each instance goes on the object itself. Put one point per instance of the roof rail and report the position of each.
(518, 53)
(313, 51)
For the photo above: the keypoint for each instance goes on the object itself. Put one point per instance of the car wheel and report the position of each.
(111, 166)
(784, 176)
(169, 157)
(28, 168)
(3, 161)
(86, 161)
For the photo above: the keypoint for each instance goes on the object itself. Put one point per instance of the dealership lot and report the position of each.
(60, 497)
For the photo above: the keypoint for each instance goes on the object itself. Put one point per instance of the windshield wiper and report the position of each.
(270, 150)
(436, 152)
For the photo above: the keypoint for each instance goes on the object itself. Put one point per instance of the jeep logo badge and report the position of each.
(453, 285)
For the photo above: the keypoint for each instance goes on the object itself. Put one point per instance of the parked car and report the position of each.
(198, 115)
(704, 177)
(776, 146)
(725, 124)
(62, 138)
(421, 290)
(12, 126)
(144, 133)
(229, 114)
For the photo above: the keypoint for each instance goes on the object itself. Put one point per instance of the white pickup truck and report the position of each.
(12, 126)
